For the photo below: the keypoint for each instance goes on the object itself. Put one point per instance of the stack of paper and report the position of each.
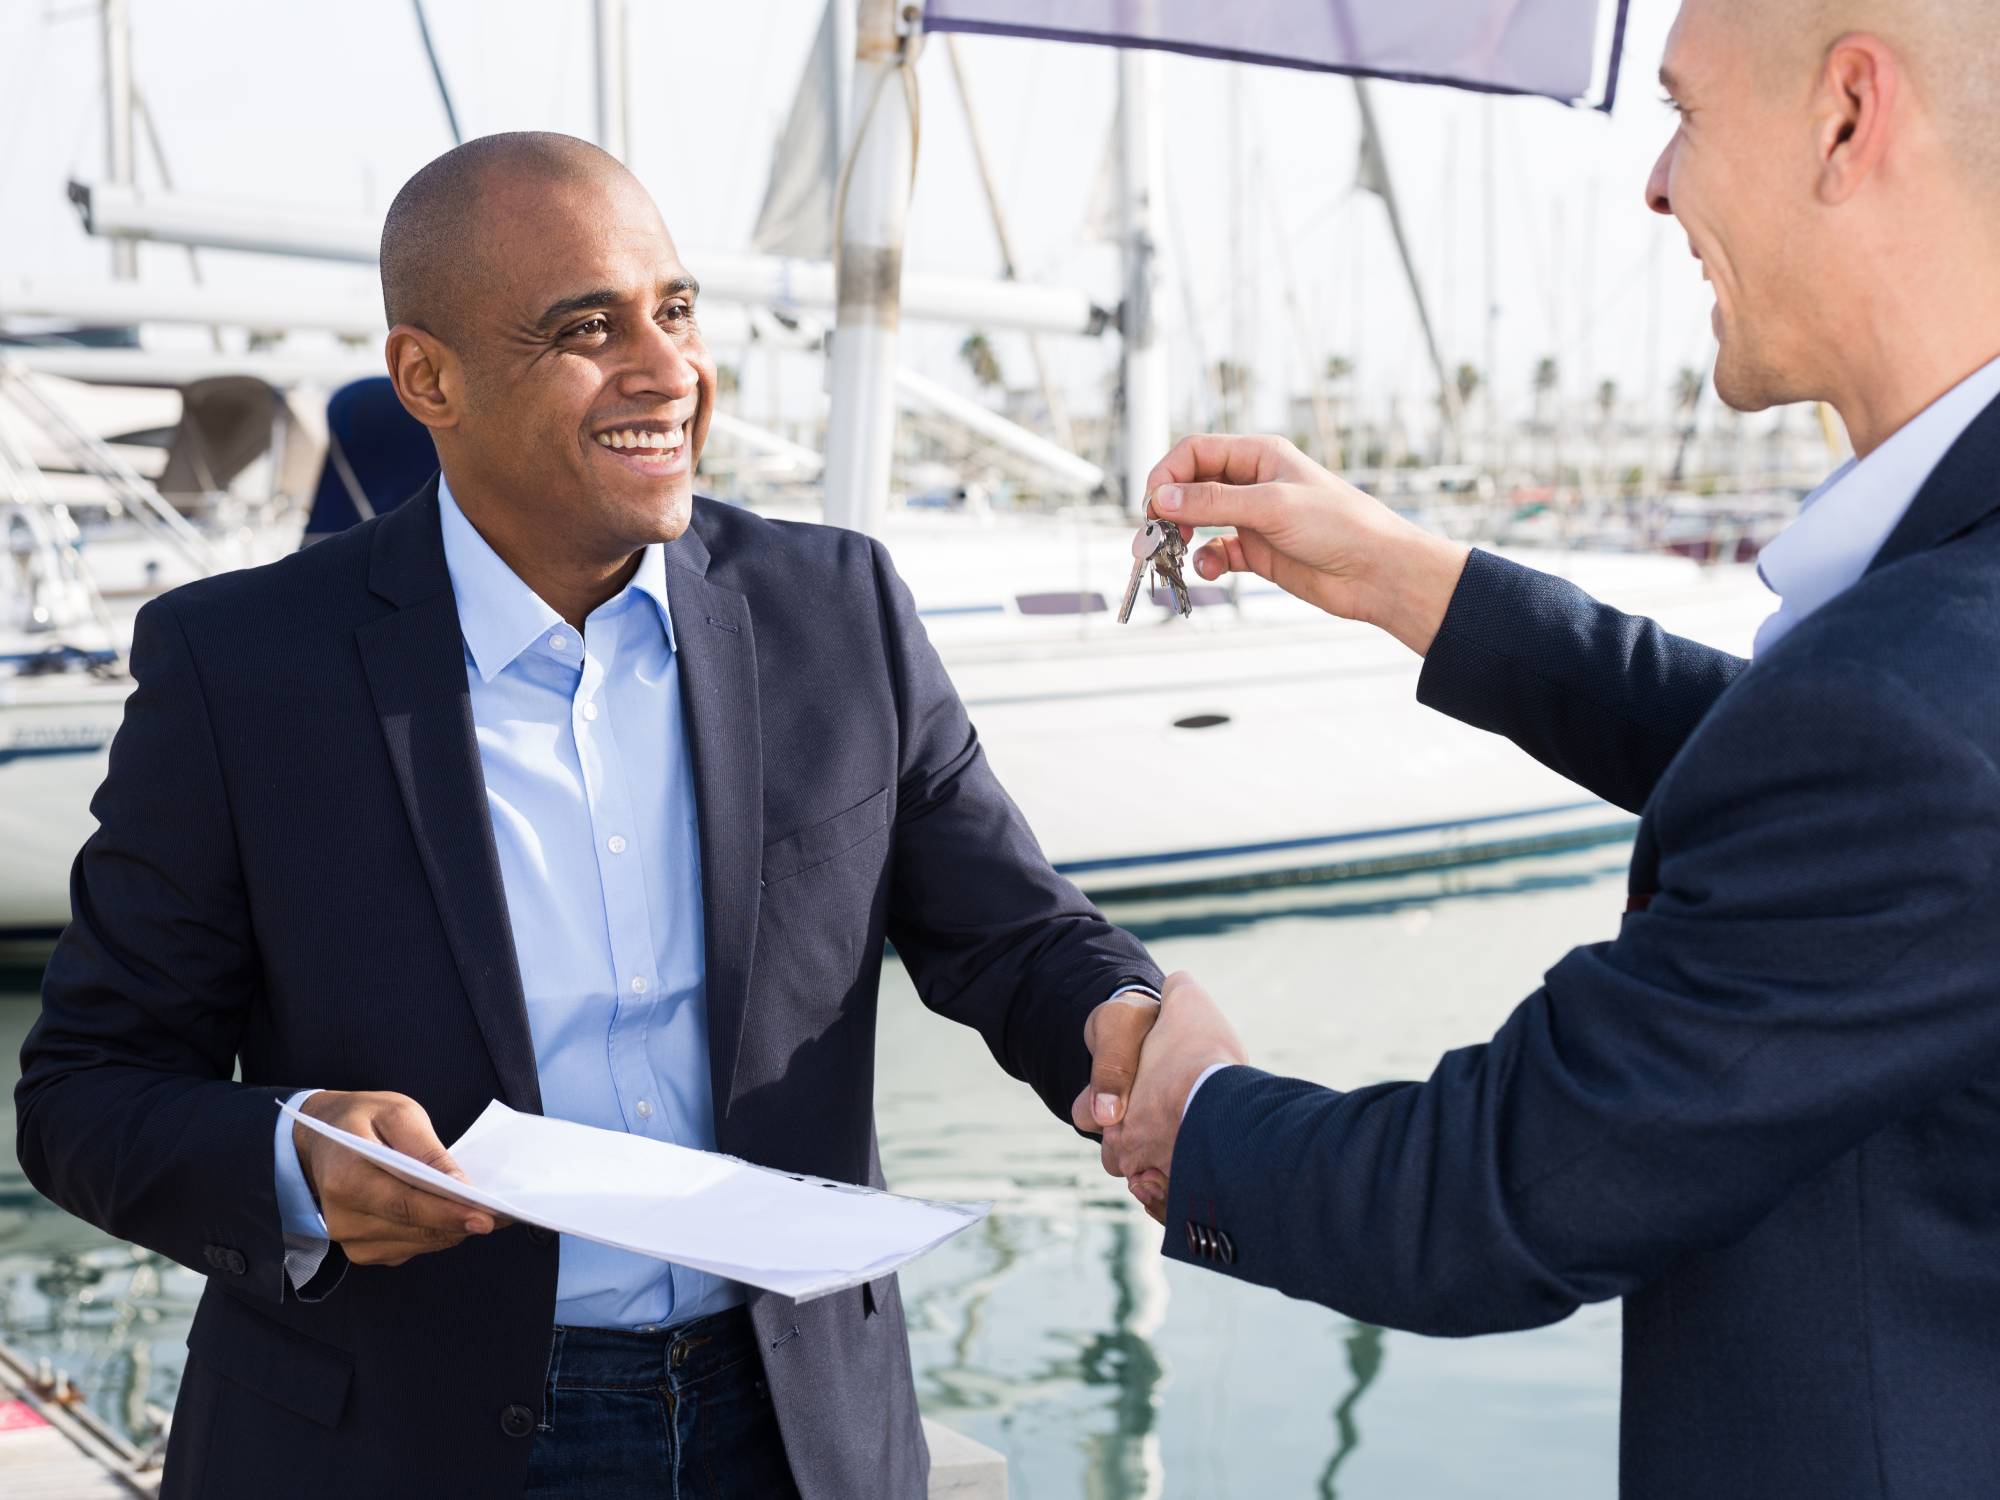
(800, 1236)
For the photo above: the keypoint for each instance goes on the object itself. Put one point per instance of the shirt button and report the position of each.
(559, 643)
(638, 984)
(645, 1110)
(616, 843)
(590, 710)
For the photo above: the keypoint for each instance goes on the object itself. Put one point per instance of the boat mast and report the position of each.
(1376, 176)
(120, 150)
(1142, 357)
(614, 115)
(871, 207)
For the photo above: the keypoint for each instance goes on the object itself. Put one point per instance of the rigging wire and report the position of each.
(906, 71)
(437, 72)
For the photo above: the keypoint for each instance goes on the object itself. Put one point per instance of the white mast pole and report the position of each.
(120, 151)
(1142, 356)
(871, 208)
(614, 115)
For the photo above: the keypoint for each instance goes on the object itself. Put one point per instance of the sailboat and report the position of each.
(1114, 740)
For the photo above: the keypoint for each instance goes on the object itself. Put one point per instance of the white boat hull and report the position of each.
(55, 736)
(1316, 762)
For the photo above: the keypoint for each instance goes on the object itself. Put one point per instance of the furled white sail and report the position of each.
(797, 216)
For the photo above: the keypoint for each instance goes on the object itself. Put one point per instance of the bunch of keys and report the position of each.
(1160, 546)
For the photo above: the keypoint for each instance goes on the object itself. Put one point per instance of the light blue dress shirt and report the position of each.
(1846, 521)
(591, 789)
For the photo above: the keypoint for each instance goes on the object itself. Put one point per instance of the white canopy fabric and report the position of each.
(1546, 47)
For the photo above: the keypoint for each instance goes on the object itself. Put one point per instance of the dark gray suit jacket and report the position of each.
(295, 873)
(1768, 1114)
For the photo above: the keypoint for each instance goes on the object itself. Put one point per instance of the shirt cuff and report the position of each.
(1133, 989)
(1206, 1073)
(299, 1217)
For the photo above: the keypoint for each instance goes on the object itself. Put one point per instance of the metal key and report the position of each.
(1150, 539)
(1167, 564)
(1157, 546)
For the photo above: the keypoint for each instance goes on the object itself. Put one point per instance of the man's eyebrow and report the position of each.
(569, 307)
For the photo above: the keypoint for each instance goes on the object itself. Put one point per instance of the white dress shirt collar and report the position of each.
(499, 615)
(1847, 519)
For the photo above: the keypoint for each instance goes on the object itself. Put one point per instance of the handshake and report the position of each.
(1146, 1058)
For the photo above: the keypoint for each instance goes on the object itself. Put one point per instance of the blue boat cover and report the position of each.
(377, 456)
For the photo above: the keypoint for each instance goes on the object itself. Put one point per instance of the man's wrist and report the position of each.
(1202, 1077)
(1408, 590)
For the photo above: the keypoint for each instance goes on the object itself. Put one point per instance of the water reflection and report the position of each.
(1364, 1362)
(1045, 1332)
(1125, 1461)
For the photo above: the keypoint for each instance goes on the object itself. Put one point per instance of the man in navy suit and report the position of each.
(560, 786)
(1767, 1115)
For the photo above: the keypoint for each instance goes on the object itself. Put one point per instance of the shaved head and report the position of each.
(1836, 165)
(1951, 47)
(437, 226)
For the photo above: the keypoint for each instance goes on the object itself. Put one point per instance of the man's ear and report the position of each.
(426, 376)
(1853, 114)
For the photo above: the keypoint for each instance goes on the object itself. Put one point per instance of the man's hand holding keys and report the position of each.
(1308, 531)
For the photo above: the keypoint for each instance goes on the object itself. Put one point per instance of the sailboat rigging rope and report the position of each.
(905, 69)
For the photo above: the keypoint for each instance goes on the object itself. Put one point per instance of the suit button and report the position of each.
(1228, 1247)
(222, 1258)
(1194, 1239)
(516, 1421)
(539, 1235)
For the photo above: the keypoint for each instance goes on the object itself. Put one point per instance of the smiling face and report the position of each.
(586, 387)
(1738, 175)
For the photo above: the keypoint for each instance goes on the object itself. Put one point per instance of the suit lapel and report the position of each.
(717, 660)
(1962, 491)
(415, 662)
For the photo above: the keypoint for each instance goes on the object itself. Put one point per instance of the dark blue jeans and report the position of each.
(681, 1414)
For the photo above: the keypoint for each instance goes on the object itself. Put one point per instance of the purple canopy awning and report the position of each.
(1544, 47)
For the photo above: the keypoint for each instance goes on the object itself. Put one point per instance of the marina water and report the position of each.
(1055, 1332)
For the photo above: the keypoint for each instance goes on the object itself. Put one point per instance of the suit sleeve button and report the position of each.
(539, 1235)
(1194, 1239)
(1228, 1247)
(516, 1421)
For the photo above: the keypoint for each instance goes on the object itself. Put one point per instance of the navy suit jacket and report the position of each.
(1768, 1114)
(295, 876)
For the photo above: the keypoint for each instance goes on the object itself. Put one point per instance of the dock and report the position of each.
(54, 1448)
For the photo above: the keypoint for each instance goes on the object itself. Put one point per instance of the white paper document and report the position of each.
(799, 1236)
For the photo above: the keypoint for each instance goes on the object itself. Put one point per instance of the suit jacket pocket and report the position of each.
(822, 841)
(248, 1349)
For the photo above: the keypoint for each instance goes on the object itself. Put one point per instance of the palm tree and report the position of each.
(1548, 375)
(1468, 380)
(1232, 384)
(1607, 400)
(1689, 385)
(977, 352)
